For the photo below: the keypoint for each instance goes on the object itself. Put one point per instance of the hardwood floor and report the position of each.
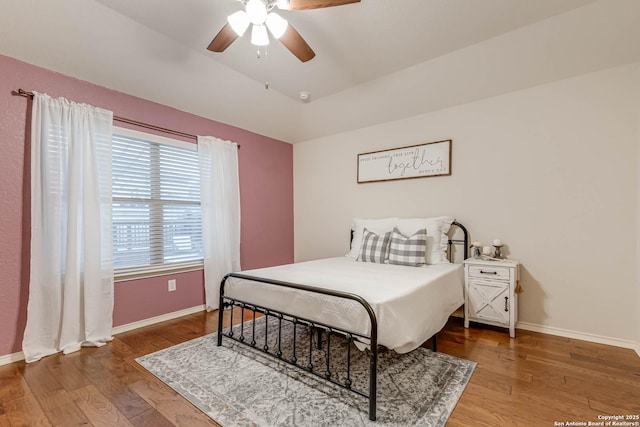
(534, 379)
(538, 379)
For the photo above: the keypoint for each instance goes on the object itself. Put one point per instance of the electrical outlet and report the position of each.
(172, 285)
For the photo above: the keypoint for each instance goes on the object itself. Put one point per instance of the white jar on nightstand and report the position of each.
(490, 293)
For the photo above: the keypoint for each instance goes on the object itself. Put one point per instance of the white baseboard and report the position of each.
(616, 342)
(11, 358)
(153, 320)
(16, 357)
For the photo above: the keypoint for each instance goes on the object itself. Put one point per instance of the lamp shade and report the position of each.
(257, 11)
(239, 22)
(276, 24)
(259, 36)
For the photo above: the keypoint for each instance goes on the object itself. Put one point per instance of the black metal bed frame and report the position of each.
(371, 340)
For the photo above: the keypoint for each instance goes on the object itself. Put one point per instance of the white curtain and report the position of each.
(220, 201)
(71, 283)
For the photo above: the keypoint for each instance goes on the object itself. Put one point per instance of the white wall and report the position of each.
(551, 170)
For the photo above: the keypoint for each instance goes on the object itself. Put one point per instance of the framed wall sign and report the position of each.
(416, 161)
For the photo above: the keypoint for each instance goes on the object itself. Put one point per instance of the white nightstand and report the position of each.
(490, 293)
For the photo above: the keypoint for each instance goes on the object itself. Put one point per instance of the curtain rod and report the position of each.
(26, 94)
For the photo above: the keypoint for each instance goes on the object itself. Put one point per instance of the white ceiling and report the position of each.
(377, 61)
(354, 43)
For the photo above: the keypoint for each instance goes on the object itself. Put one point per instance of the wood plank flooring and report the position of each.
(534, 379)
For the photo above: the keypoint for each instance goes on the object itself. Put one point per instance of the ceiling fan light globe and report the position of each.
(276, 24)
(283, 4)
(257, 11)
(259, 36)
(239, 22)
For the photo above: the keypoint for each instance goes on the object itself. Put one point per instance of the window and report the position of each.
(156, 205)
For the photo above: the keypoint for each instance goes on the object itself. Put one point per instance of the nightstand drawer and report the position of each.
(490, 272)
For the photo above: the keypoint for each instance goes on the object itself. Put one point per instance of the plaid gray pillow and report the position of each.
(375, 248)
(405, 250)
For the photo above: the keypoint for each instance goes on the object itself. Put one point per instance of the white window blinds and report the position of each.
(156, 204)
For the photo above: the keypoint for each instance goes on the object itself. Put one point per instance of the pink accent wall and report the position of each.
(266, 197)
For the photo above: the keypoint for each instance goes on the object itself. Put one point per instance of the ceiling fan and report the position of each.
(260, 14)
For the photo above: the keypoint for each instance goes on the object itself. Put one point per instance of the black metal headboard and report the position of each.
(464, 241)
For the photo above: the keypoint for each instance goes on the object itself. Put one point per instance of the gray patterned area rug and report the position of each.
(238, 386)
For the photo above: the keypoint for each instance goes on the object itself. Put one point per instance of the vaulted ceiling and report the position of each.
(376, 60)
(355, 43)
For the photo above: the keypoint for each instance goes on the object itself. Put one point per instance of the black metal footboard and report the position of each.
(297, 359)
(250, 338)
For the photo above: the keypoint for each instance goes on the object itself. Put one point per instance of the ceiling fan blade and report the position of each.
(317, 4)
(292, 40)
(223, 39)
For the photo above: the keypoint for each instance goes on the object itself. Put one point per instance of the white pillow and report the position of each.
(378, 226)
(437, 238)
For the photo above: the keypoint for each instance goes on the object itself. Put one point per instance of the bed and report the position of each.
(373, 305)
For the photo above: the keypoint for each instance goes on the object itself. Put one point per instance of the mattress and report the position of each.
(411, 303)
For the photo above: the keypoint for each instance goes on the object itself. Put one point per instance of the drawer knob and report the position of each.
(488, 272)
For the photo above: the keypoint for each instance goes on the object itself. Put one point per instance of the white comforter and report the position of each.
(411, 303)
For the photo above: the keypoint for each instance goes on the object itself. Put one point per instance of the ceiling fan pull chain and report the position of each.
(266, 66)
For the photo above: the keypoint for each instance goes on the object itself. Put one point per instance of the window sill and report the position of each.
(127, 274)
